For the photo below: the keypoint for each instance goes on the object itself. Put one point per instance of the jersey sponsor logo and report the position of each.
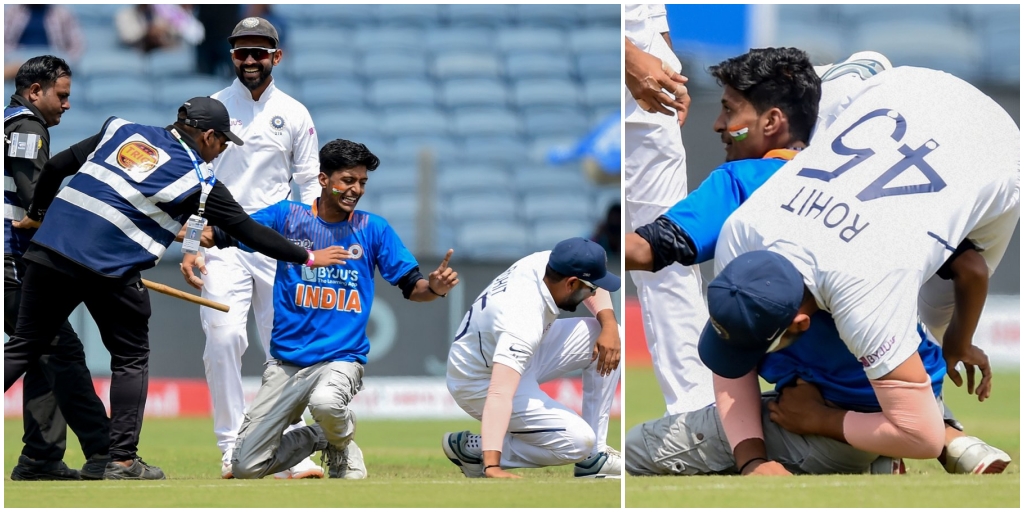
(137, 156)
(305, 243)
(324, 297)
(356, 250)
(870, 359)
(331, 275)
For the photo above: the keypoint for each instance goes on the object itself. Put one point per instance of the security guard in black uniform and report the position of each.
(43, 85)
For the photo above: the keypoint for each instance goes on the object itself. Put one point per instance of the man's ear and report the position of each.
(325, 182)
(801, 323)
(775, 122)
(278, 55)
(34, 92)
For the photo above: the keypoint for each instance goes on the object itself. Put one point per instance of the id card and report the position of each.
(193, 232)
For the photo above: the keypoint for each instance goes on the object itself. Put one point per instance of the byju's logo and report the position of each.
(308, 274)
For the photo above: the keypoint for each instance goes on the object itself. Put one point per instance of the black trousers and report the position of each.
(121, 312)
(58, 382)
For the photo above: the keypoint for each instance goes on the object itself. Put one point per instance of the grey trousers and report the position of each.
(694, 443)
(327, 388)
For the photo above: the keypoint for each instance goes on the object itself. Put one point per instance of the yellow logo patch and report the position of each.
(137, 156)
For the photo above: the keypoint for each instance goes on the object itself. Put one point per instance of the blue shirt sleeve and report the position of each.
(703, 212)
(393, 259)
(270, 217)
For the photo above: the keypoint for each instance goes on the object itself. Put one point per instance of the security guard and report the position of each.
(135, 187)
(60, 378)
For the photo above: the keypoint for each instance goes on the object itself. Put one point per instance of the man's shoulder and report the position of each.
(294, 107)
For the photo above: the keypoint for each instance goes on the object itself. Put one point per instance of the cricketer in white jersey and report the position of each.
(280, 146)
(655, 174)
(511, 341)
(919, 162)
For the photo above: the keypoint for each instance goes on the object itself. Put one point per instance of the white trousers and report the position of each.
(542, 431)
(673, 309)
(238, 279)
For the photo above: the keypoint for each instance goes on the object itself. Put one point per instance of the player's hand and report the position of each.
(189, 262)
(653, 83)
(26, 223)
(766, 468)
(972, 357)
(333, 255)
(499, 473)
(798, 408)
(444, 278)
(607, 351)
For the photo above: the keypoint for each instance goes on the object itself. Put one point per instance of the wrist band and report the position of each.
(309, 262)
(747, 463)
(492, 466)
(439, 295)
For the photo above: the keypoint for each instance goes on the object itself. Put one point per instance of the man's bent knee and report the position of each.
(638, 459)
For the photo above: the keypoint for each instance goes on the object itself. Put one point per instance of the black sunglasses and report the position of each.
(256, 53)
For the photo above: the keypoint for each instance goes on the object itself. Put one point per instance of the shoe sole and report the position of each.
(121, 477)
(309, 473)
(611, 477)
(452, 456)
(40, 478)
(992, 465)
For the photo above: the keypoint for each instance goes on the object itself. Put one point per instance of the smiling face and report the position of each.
(343, 188)
(253, 66)
(740, 127)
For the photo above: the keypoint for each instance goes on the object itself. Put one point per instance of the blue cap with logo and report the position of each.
(751, 304)
(583, 259)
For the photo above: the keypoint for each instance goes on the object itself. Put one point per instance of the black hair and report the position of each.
(552, 275)
(776, 77)
(43, 70)
(341, 154)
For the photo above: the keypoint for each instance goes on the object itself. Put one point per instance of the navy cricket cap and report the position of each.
(583, 259)
(207, 113)
(751, 303)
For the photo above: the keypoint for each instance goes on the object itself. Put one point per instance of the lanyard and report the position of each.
(204, 182)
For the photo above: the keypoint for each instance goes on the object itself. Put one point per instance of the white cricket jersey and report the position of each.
(918, 162)
(506, 322)
(280, 145)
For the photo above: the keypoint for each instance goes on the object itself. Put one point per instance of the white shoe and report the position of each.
(347, 463)
(463, 449)
(970, 455)
(888, 466)
(606, 464)
(864, 64)
(304, 469)
(225, 470)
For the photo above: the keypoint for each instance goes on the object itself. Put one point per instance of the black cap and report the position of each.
(206, 113)
(583, 259)
(254, 26)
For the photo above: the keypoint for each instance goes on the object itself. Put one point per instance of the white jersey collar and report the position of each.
(244, 91)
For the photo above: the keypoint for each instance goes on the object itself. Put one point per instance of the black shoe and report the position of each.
(30, 469)
(94, 468)
(138, 470)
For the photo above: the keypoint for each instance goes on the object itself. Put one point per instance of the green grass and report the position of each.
(926, 484)
(404, 460)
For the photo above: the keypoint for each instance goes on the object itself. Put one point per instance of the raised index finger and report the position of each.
(444, 262)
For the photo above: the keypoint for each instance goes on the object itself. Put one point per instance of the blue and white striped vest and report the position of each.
(15, 240)
(112, 217)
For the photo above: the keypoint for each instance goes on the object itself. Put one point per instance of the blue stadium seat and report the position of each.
(935, 45)
(473, 122)
(554, 121)
(546, 234)
(174, 62)
(101, 38)
(605, 15)
(119, 62)
(489, 15)
(607, 196)
(410, 148)
(331, 92)
(533, 92)
(981, 15)
(596, 39)
(392, 64)
(494, 149)
(553, 15)
(318, 63)
(599, 64)
(173, 91)
(417, 15)
(9, 90)
(120, 90)
(492, 240)
(392, 38)
(466, 64)
(415, 121)
(453, 39)
(95, 14)
(345, 122)
(473, 92)
(1001, 40)
(81, 120)
(305, 38)
(537, 64)
(856, 14)
(145, 116)
(492, 205)
(538, 39)
(471, 178)
(392, 92)
(824, 43)
(390, 179)
(544, 206)
(540, 177)
(346, 15)
(602, 91)
(396, 206)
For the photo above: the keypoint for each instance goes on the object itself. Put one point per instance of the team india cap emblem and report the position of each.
(250, 22)
(138, 156)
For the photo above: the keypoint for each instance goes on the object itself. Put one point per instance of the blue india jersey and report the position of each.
(320, 314)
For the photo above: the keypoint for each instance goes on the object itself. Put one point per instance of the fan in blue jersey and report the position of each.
(754, 122)
(319, 341)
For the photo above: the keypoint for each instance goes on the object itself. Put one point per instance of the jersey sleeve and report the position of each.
(270, 217)
(513, 352)
(393, 259)
(306, 159)
(877, 320)
(703, 212)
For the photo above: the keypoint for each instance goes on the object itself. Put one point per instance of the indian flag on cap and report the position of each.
(738, 133)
